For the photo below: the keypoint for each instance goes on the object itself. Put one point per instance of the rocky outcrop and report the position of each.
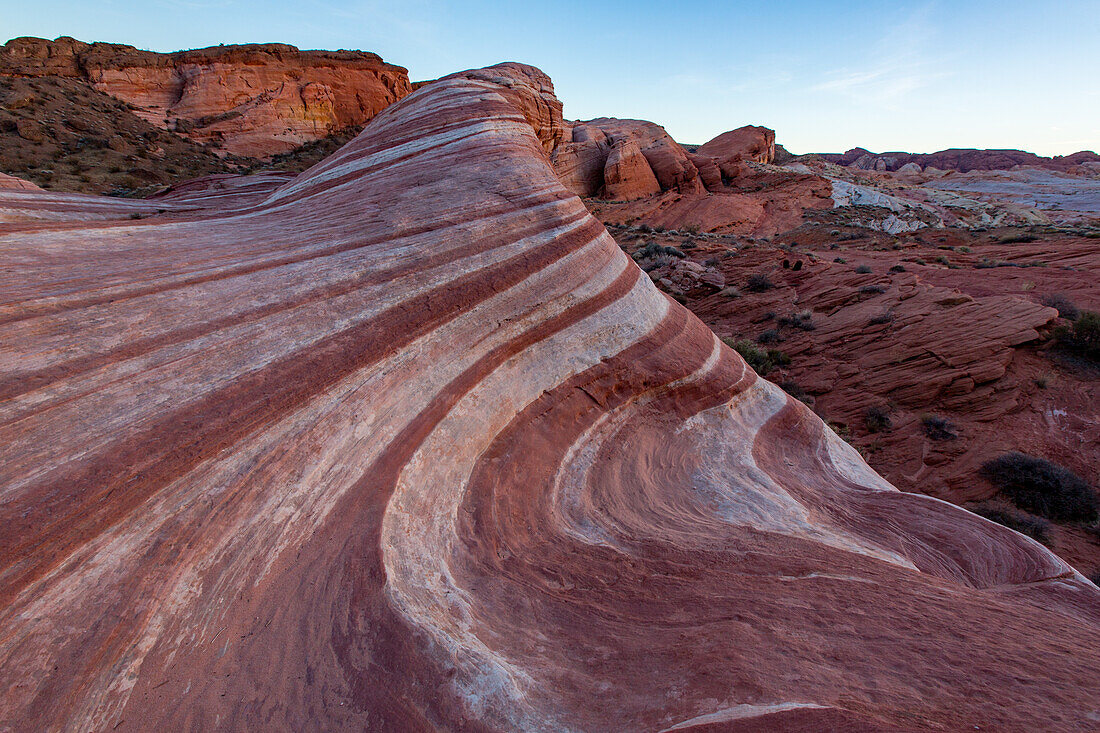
(12, 183)
(409, 443)
(745, 143)
(254, 100)
(626, 174)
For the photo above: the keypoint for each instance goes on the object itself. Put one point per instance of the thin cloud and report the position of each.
(905, 60)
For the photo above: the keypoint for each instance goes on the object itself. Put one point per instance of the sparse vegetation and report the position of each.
(872, 290)
(761, 360)
(938, 428)
(802, 320)
(1034, 527)
(758, 283)
(863, 270)
(877, 419)
(897, 268)
(795, 390)
(771, 336)
(1066, 308)
(1082, 337)
(1038, 486)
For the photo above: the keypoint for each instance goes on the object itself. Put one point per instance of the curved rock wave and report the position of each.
(408, 443)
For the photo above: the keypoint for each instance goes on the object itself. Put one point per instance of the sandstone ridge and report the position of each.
(407, 442)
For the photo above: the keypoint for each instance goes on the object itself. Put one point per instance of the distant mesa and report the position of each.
(957, 159)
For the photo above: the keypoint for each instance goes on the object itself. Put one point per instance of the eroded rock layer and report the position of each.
(253, 99)
(408, 443)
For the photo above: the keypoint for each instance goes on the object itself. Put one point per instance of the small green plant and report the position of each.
(771, 336)
(897, 268)
(1082, 337)
(863, 270)
(761, 360)
(872, 290)
(795, 390)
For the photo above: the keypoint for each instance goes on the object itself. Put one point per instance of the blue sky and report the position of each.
(916, 76)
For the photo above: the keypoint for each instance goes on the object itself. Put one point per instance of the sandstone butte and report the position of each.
(255, 100)
(406, 442)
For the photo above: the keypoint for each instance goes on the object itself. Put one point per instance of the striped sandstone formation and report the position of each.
(408, 443)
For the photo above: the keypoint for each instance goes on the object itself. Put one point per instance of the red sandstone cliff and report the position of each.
(254, 100)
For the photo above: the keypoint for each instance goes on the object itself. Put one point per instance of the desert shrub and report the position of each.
(1038, 486)
(795, 390)
(1034, 527)
(653, 249)
(881, 318)
(840, 260)
(761, 360)
(797, 265)
(897, 268)
(872, 290)
(730, 292)
(938, 428)
(863, 270)
(1082, 337)
(137, 215)
(1042, 382)
(690, 228)
(803, 320)
(1066, 308)
(1018, 239)
(771, 336)
(876, 419)
(758, 283)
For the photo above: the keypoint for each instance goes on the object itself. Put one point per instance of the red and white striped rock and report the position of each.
(408, 443)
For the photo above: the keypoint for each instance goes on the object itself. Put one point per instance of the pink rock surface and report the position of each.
(408, 443)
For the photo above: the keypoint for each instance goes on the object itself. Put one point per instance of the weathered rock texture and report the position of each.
(637, 172)
(747, 143)
(408, 443)
(960, 159)
(254, 100)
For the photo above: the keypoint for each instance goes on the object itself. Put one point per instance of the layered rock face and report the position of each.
(639, 173)
(254, 100)
(408, 443)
